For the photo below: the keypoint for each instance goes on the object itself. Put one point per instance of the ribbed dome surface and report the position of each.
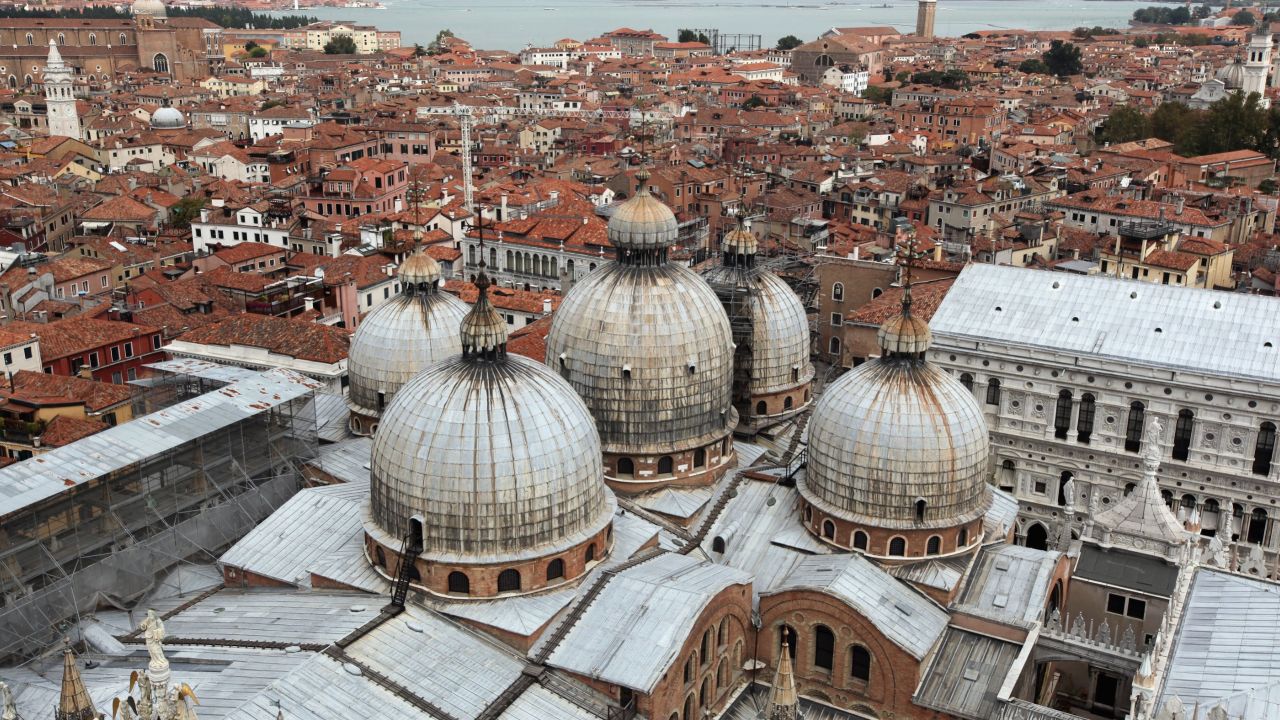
(891, 432)
(666, 327)
(399, 339)
(155, 8)
(740, 241)
(904, 335)
(1232, 74)
(643, 223)
(779, 327)
(500, 459)
(168, 118)
(419, 268)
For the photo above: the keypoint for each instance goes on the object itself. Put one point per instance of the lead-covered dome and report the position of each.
(897, 442)
(647, 346)
(154, 8)
(772, 339)
(1232, 74)
(400, 338)
(168, 118)
(494, 454)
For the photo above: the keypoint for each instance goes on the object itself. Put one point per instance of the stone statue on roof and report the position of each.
(152, 628)
(8, 711)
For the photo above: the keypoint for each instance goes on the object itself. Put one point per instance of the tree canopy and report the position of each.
(1178, 15)
(789, 42)
(1235, 122)
(953, 79)
(1034, 66)
(686, 35)
(184, 211)
(1125, 124)
(1244, 17)
(1063, 59)
(340, 45)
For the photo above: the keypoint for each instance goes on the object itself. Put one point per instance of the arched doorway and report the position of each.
(1037, 537)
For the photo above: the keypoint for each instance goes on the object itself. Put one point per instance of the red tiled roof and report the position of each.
(294, 338)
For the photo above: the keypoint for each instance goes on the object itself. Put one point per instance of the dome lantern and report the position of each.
(484, 332)
(643, 229)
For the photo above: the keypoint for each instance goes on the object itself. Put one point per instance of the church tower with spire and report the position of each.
(63, 117)
(1257, 67)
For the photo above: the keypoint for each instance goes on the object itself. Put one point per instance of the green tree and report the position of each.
(753, 102)
(686, 35)
(418, 50)
(1141, 41)
(878, 94)
(1233, 123)
(1244, 17)
(249, 46)
(1033, 66)
(1124, 124)
(1267, 187)
(1063, 59)
(789, 42)
(258, 52)
(341, 45)
(437, 46)
(186, 210)
(1171, 120)
(1201, 12)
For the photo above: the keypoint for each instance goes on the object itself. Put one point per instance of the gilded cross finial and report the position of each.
(908, 253)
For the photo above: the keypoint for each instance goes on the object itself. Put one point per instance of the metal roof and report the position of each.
(907, 618)
(310, 527)
(1225, 647)
(286, 616)
(631, 632)
(347, 460)
(1121, 568)
(1127, 320)
(966, 674)
(1009, 583)
(333, 417)
(205, 369)
(116, 448)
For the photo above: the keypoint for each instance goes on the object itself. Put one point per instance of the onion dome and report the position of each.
(643, 222)
(494, 454)
(400, 338)
(771, 332)
(897, 442)
(647, 345)
(1232, 74)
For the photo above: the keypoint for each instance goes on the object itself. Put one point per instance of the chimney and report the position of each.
(1178, 205)
(503, 217)
(546, 306)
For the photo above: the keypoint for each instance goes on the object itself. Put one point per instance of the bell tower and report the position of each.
(1258, 66)
(63, 117)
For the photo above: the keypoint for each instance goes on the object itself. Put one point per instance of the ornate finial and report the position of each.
(484, 332)
(908, 254)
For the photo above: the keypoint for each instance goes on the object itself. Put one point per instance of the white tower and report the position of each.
(64, 119)
(1258, 66)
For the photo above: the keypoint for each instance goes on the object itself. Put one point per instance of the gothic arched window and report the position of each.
(160, 63)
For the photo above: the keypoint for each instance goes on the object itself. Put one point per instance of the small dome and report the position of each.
(501, 460)
(643, 222)
(740, 241)
(168, 118)
(1232, 74)
(895, 431)
(399, 339)
(419, 268)
(154, 8)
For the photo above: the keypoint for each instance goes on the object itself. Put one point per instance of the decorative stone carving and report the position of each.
(152, 628)
(1128, 641)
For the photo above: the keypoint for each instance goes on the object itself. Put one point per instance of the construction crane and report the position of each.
(467, 115)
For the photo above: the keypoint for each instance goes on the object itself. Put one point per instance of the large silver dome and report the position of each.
(500, 460)
(402, 337)
(1232, 74)
(894, 431)
(646, 343)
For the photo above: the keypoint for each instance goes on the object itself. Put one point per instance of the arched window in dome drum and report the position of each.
(626, 467)
(665, 465)
(1133, 428)
(1062, 415)
(700, 457)
(1182, 434)
(591, 552)
(935, 545)
(967, 381)
(828, 529)
(416, 534)
(921, 505)
(993, 392)
(509, 580)
(555, 569)
(962, 540)
(795, 374)
(824, 647)
(876, 293)
(860, 540)
(459, 583)
(787, 404)
(762, 408)
(898, 547)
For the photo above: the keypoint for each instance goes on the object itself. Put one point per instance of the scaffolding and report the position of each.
(97, 522)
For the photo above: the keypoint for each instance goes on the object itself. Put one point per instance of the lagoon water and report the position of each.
(513, 24)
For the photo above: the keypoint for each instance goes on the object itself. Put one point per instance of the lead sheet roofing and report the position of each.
(1129, 320)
